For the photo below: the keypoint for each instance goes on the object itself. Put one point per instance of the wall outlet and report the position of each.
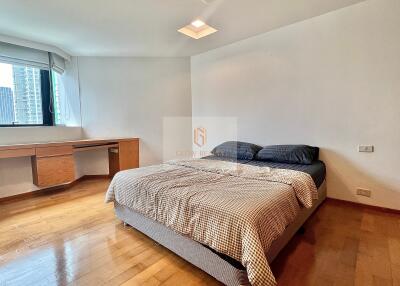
(366, 148)
(364, 192)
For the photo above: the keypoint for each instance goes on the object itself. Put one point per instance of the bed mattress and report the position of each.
(221, 267)
(316, 170)
(235, 209)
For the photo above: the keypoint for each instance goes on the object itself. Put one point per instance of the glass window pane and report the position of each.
(58, 98)
(20, 95)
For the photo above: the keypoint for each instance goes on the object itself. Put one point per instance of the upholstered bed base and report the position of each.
(203, 257)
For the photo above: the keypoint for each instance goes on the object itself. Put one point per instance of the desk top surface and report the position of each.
(78, 142)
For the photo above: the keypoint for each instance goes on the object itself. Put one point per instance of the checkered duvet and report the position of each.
(235, 209)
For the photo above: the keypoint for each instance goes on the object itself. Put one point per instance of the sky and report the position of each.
(6, 75)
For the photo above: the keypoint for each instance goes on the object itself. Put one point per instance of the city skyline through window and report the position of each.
(21, 98)
(20, 95)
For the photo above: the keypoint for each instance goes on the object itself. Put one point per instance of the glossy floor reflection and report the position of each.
(73, 238)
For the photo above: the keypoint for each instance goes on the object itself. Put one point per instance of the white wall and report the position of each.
(332, 81)
(132, 97)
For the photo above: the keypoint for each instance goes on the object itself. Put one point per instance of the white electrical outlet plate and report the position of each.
(366, 148)
(364, 192)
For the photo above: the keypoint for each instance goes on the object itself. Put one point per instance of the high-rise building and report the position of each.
(27, 93)
(6, 106)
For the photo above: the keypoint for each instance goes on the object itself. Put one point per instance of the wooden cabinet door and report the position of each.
(53, 171)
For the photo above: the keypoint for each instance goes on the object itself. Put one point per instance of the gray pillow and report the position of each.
(292, 154)
(236, 150)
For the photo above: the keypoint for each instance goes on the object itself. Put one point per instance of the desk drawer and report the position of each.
(53, 171)
(53, 151)
(15, 153)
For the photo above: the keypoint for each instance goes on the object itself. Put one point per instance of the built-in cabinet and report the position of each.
(53, 164)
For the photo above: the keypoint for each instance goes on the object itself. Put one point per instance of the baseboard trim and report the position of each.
(90, 177)
(365, 206)
(45, 191)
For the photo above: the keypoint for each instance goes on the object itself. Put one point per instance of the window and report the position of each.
(30, 84)
(58, 98)
(23, 94)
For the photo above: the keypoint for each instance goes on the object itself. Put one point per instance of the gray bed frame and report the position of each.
(203, 257)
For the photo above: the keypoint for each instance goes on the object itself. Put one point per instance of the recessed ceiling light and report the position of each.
(197, 29)
(198, 23)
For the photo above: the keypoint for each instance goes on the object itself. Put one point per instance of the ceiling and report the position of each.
(149, 27)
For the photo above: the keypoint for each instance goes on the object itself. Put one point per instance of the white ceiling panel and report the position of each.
(149, 27)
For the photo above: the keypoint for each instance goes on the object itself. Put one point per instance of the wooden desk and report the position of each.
(53, 163)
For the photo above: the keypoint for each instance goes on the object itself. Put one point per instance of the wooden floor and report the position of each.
(72, 238)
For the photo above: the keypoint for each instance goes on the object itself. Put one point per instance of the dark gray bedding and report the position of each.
(316, 170)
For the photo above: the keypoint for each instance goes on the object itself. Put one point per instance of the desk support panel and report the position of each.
(126, 156)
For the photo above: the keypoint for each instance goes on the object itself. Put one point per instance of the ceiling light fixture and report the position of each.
(198, 23)
(197, 29)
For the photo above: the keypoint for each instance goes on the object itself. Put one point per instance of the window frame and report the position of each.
(47, 101)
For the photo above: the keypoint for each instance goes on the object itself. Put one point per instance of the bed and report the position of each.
(229, 218)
